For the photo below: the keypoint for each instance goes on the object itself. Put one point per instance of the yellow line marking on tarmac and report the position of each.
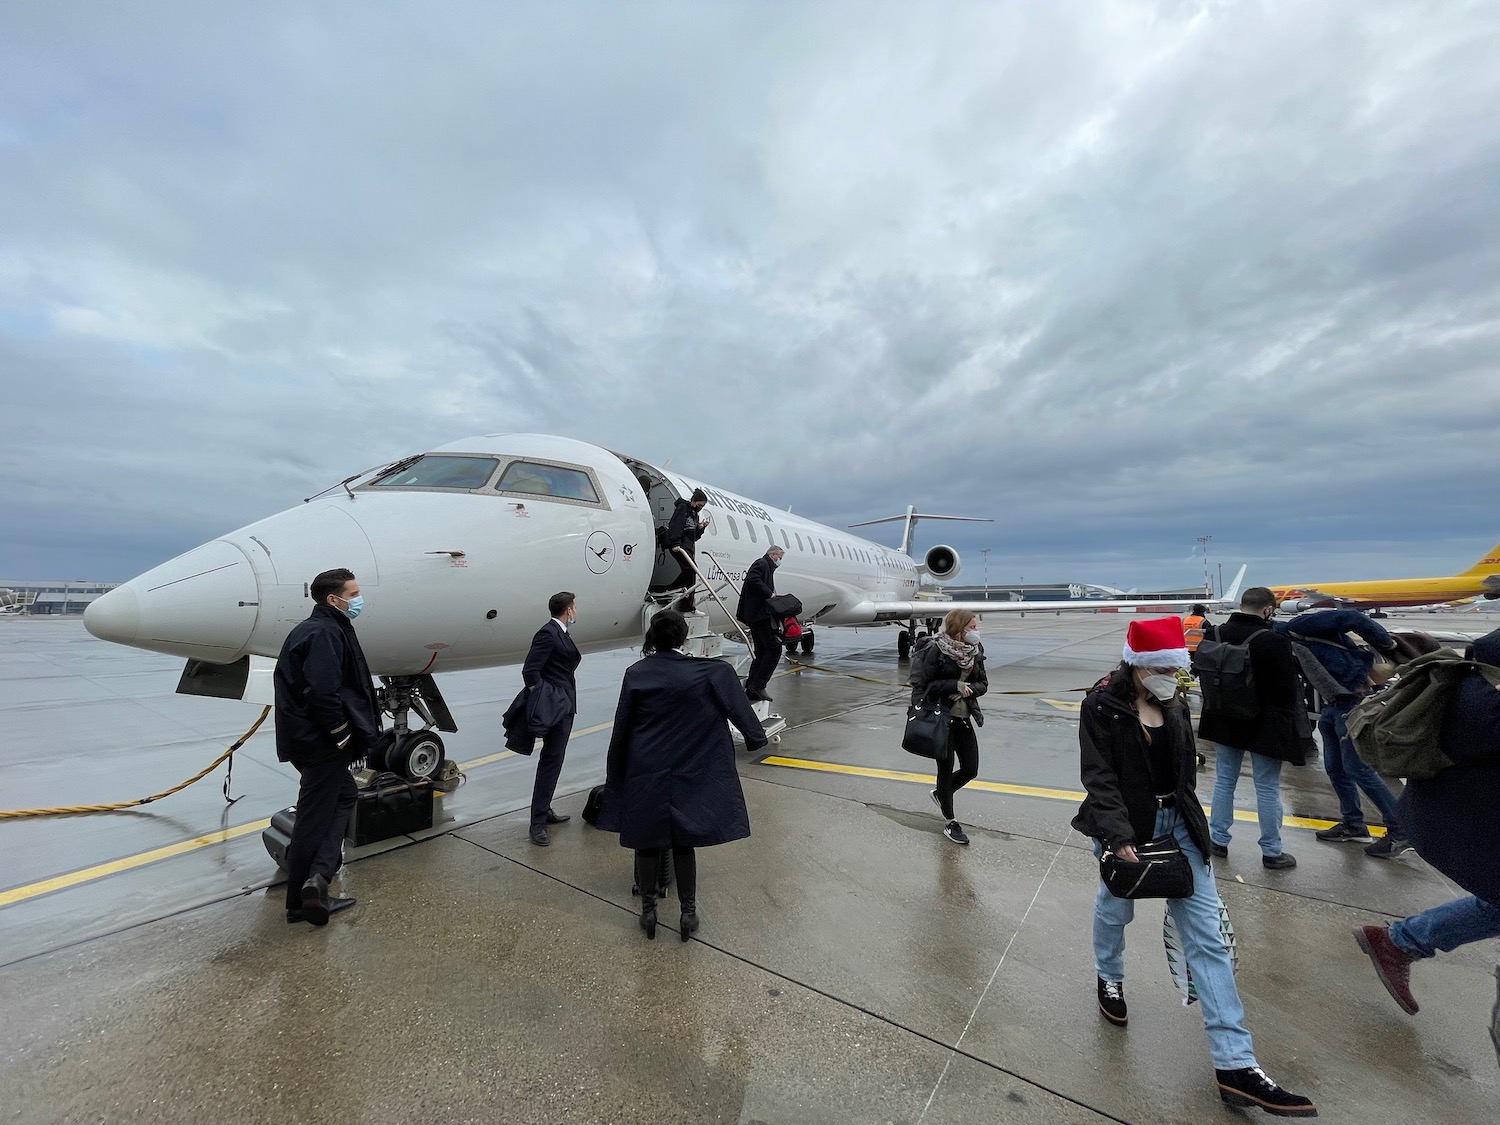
(223, 835)
(1005, 787)
(87, 874)
(1064, 704)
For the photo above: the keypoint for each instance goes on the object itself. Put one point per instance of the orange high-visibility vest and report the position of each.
(1192, 631)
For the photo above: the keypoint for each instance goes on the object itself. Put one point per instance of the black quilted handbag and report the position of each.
(1160, 870)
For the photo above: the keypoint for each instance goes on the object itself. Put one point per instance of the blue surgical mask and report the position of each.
(353, 605)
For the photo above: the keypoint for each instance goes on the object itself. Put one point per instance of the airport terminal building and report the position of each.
(51, 598)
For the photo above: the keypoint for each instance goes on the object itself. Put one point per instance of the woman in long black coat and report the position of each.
(670, 779)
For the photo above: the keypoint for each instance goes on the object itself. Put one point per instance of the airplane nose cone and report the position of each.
(114, 617)
(201, 605)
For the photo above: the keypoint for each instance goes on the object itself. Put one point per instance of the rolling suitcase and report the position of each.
(278, 837)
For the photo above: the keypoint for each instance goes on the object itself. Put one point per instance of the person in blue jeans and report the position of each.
(1326, 634)
(1276, 733)
(1452, 819)
(1138, 764)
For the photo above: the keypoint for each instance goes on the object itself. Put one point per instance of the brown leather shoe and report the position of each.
(1392, 964)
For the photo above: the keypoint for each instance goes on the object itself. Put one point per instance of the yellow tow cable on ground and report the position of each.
(17, 814)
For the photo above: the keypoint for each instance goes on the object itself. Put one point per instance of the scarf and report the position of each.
(962, 652)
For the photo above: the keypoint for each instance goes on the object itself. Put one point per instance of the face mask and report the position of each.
(972, 637)
(775, 562)
(1163, 687)
(353, 605)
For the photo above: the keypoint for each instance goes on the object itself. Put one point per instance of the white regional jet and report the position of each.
(457, 551)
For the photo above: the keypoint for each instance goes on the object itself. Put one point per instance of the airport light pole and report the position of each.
(985, 551)
(1203, 541)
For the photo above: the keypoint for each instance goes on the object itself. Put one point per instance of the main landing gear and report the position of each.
(415, 754)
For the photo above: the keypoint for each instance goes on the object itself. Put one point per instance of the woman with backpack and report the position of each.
(949, 667)
(1136, 750)
(1451, 819)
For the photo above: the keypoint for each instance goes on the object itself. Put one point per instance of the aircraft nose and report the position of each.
(201, 605)
(114, 617)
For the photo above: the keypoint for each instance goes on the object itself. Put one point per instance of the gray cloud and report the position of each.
(1118, 275)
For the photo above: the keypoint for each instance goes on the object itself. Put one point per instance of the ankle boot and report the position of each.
(648, 916)
(689, 923)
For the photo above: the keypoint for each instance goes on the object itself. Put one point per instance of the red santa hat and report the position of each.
(1157, 643)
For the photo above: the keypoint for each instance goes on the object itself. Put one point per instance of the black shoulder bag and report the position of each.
(1160, 870)
(926, 732)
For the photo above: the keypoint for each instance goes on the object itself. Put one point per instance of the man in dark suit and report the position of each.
(327, 715)
(759, 588)
(553, 658)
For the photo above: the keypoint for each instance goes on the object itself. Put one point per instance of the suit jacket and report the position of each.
(554, 658)
(531, 714)
(759, 588)
(671, 779)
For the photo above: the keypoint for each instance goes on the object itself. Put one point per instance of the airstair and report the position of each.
(702, 641)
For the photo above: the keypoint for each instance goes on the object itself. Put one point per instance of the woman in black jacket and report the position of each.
(950, 668)
(671, 780)
(1137, 760)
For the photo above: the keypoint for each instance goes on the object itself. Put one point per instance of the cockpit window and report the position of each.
(440, 470)
(540, 478)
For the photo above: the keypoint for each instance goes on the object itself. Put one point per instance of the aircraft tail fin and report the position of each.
(1232, 595)
(910, 517)
(1490, 564)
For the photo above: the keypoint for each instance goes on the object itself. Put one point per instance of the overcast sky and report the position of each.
(1116, 274)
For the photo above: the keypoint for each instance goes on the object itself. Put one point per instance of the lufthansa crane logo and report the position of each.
(599, 552)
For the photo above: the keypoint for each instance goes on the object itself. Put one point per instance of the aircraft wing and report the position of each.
(933, 607)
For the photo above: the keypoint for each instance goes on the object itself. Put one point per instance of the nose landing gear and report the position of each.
(415, 754)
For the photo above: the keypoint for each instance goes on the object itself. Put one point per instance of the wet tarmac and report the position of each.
(852, 965)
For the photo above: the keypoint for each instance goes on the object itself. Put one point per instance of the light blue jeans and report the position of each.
(1267, 774)
(1446, 927)
(1197, 921)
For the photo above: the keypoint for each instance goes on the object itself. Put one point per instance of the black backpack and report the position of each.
(1227, 679)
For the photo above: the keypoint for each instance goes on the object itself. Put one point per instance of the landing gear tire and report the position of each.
(791, 648)
(417, 756)
(376, 758)
(807, 643)
(903, 645)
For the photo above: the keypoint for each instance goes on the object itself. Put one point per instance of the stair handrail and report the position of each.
(689, 561)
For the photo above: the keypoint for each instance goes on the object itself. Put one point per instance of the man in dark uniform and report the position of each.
(759, 588)
(327, 715)
(553, 658)
(683, 533)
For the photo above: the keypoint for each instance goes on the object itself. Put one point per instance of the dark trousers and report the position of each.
(767, 654)
(685, 860)
(963, 750)
(548, 768)
(687, 578)
(324, 800)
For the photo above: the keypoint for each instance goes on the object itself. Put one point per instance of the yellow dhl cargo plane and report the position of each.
(1480, 580)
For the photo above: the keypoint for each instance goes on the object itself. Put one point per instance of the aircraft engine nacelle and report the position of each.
(941, 562)
(1305, 602)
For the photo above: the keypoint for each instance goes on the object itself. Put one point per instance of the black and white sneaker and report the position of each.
(955, 832)
(1250, 1087)
(1345, 833)
(1388, 846)
(1112, 1001)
